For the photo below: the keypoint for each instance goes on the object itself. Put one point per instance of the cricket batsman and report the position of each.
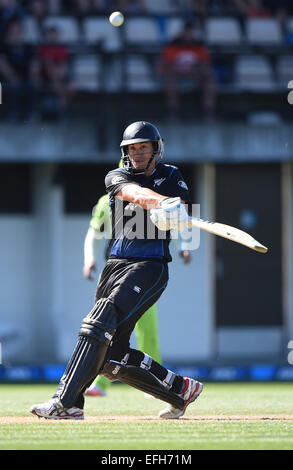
(133, 279)
(146, 329)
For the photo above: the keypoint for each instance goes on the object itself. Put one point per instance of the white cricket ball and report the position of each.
(116, 18)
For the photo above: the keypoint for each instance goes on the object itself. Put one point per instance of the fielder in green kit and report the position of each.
(146, 329)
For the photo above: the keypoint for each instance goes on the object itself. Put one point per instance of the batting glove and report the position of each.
(171, 215)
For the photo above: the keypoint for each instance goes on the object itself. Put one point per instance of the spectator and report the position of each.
(251, 8)
(194, 9)
(39, 9)
(186, 61)
(281, 9)
(243, 9)
(55, 7)
(18, 73)
(82, 8)
(130, 6)
(54, 72)
(9, 10)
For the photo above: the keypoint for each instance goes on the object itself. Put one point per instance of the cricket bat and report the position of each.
(226, 231)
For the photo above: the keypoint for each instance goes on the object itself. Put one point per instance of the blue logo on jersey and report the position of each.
(183, 185)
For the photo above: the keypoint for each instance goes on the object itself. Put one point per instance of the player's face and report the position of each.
(140, 154)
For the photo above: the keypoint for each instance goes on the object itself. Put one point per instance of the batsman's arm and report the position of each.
(144, 197)
(93, 239)
(90, 249)
(91, 246)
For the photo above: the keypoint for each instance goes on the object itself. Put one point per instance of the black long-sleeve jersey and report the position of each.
(134, 236)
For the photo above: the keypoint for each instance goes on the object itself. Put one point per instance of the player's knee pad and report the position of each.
(100, 323)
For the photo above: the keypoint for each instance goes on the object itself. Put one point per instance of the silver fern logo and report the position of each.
(117, 179)
(183, 185)
(159, 181)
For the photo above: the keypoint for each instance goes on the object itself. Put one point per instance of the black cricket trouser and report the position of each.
(133, 286)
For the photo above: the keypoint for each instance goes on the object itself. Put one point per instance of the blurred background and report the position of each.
(213, 77)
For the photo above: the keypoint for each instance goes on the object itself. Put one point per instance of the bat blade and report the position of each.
(229, 232)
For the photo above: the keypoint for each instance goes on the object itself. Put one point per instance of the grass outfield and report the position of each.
(236, 416)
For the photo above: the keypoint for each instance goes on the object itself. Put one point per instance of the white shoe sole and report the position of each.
(39, 414)
(169, 414)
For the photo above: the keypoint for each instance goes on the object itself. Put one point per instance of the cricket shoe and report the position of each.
(53, 409)
(191, 392)
(95, 391)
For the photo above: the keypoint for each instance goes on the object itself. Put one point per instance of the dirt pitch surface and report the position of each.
(141, 419)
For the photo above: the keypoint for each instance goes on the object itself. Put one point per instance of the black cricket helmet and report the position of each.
(137, 132)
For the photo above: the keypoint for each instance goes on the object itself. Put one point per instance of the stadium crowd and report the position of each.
(11, 9)
(38, 76)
